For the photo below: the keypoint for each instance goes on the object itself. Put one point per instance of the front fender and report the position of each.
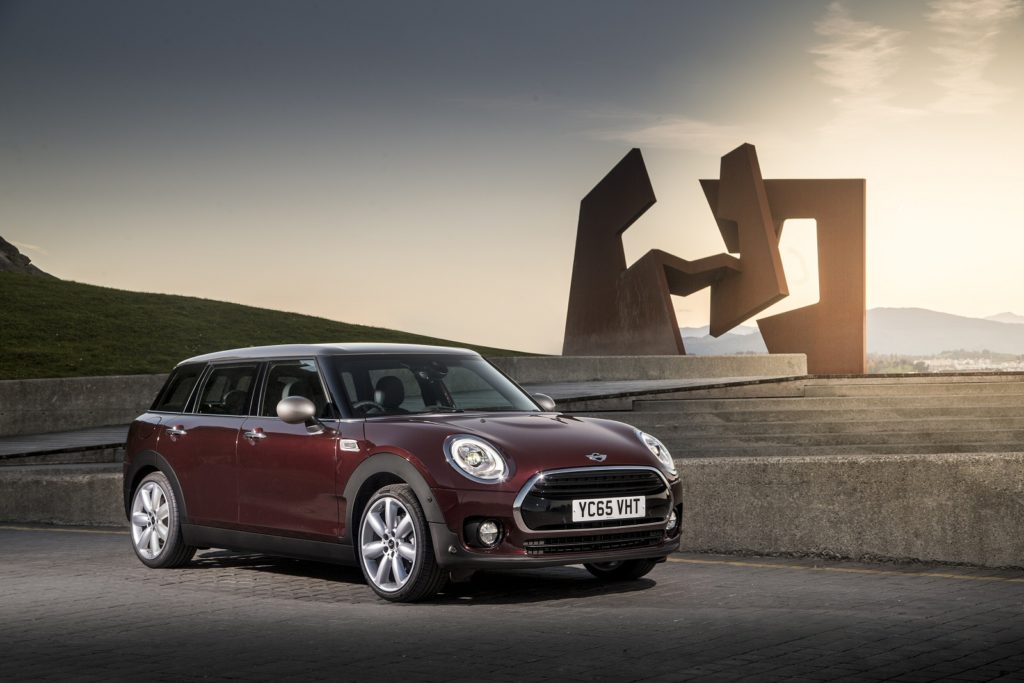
(389, 463)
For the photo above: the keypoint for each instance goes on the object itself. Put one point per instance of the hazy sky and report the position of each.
(419, 165)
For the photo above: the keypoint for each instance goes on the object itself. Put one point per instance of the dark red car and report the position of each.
(417, 463)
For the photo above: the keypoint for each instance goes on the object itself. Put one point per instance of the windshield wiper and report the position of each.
(443, 409)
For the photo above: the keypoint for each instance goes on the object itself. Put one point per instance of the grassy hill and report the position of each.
(53, 328)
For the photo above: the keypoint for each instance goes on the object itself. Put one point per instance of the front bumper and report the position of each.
(552, 544)
(451, 553)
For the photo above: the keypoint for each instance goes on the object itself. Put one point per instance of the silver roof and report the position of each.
(308, 350)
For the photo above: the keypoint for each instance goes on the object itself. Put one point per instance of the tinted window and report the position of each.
(400, 385)
(295, 378)
(174, 395)
(408, 399)
(472, 391)
(227, 390)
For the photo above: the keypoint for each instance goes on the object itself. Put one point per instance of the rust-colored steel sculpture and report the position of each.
(615, 310)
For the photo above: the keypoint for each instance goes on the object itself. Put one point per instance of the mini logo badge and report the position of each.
(597, 457)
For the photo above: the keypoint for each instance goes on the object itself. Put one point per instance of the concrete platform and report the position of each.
(922, 467)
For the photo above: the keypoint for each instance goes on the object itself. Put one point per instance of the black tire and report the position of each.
(173, 552)
(622, 570)
(425, 577)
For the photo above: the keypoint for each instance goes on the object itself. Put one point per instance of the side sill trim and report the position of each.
(298, 548)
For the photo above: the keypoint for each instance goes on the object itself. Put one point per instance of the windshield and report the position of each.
(413, 385)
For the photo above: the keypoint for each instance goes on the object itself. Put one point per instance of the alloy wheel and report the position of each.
(387, 544)
(150, 520)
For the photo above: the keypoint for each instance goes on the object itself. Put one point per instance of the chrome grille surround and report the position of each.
(649, 524)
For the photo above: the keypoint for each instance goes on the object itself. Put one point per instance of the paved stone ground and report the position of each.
(76, 604)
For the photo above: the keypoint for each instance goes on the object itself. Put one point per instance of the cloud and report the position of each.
(967, 31)
(675, 133)
(859, 59)
(25, 246)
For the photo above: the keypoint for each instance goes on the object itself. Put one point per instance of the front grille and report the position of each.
(547, 506)
(587, 544)
(599, 483)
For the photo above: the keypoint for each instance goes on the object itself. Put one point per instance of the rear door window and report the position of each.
(228, 390)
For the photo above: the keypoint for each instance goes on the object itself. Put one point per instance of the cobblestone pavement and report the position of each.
(79, 605)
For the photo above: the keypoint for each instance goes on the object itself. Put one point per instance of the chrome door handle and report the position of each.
(176, 431)
(252, 434)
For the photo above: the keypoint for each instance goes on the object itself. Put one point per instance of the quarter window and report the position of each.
(227, 390)
(179, 386)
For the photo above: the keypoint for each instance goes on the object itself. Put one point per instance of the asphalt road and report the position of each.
(77, 604)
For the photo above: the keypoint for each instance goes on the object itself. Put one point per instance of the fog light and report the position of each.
(673, 522)
(488, 533)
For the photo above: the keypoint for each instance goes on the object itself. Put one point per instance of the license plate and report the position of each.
(608, 508)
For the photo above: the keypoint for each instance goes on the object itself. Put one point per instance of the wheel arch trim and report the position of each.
(388, 463)
(152, 459)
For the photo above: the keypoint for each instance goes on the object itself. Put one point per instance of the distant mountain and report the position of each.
(728, 344)
(919, 332)
(904, 331)
(1007, 317)
(13, 261)
(704, 331)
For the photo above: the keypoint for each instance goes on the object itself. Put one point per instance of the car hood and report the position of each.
(531, 441)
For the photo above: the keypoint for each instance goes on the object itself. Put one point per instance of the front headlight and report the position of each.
(475, 459)
(658, 449)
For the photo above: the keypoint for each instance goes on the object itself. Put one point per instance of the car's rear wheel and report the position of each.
(395, 552)
(156, 525)
(621, 570)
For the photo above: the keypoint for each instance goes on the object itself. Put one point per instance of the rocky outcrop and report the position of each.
(13, 261)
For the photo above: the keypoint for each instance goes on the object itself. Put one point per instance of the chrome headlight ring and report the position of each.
(657, 448)
(476, 459)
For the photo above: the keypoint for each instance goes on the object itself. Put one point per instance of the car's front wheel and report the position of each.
(156, 525)
(395, 551)
(621, 570)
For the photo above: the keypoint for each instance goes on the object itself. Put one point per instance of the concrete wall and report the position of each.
(947, 508)
(36, 406)
(552, 369)
(951, 508)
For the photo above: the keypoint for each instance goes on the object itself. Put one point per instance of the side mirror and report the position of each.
(296, 409)
(546, 403)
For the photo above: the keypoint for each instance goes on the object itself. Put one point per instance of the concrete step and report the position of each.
(838, 403)
(62, 494)
(649, 418)
(666, 429)
(680, 453)
(792, 389)
(859, 386)
(79, 457)
(830, 439)
(964, 377)
(915, 390)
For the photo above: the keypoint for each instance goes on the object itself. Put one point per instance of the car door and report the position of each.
(286, 472)
(201, 445)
